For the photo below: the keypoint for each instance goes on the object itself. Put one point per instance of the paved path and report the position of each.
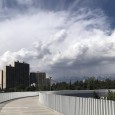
(25, 106)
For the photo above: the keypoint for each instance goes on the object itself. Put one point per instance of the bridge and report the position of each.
(55, 103)
(25, 106)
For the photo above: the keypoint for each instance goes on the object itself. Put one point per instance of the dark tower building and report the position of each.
(21, 74)
(10, 72)
(16, 75)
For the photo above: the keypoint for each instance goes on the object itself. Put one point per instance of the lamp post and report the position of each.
(50, 82)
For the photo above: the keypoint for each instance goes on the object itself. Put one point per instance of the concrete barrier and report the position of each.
(69, 105)
(14, 95)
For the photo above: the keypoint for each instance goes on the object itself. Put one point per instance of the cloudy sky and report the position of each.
(61, 37)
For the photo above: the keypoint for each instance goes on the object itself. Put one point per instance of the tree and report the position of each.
(95, 95)
(31, 88)
(20, 88)
(111, 95)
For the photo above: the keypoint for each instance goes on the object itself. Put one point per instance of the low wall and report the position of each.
(83, 93)
(69, 105)
(14, 95)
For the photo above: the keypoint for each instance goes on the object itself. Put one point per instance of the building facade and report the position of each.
(8, 77)
(21, 74)
(16, 75)
(48, 82)
(38, 78)
(1, 79)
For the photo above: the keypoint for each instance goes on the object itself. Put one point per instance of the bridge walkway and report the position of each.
(25, 106)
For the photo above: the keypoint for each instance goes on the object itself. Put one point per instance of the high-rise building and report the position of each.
(21, 73)
(16, 75)
(1, 79)
(8, 77)
(39, 78)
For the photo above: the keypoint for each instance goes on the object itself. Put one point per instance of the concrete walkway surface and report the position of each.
(25, 106)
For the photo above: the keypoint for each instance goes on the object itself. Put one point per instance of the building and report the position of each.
(38, 78)
(16, 75)
(1, 79)
(21, 73)
(8, 77)
(48, 81)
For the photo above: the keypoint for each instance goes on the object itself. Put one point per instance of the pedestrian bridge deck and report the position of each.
(25, 106)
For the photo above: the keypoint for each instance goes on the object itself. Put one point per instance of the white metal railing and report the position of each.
(14, 95)
(69, 105)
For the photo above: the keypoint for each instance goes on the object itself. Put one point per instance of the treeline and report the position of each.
(23, 88)
(88, 84)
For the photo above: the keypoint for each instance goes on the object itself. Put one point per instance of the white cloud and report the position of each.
(59, 43)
